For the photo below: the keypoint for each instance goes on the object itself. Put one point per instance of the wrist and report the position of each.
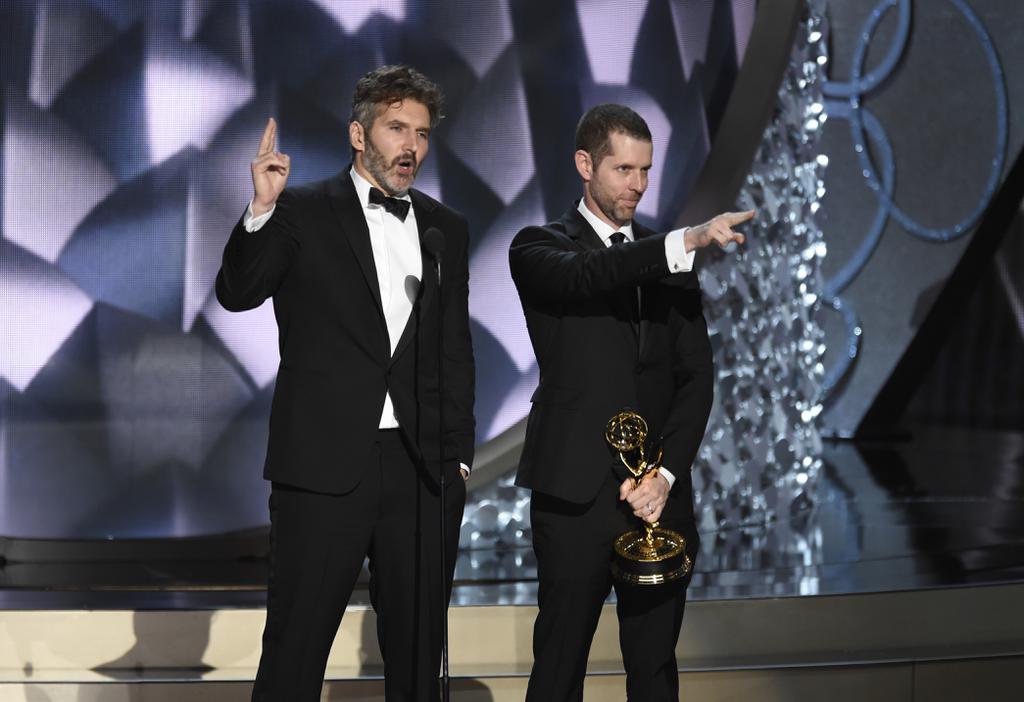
(667, 481)
(689, 240)
(259, 208)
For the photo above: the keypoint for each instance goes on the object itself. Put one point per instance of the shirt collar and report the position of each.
(363, 189)
(603, 229)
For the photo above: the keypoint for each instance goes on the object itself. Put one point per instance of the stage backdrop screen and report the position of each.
(131, 403)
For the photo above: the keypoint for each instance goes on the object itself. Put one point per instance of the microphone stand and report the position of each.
(445, 680)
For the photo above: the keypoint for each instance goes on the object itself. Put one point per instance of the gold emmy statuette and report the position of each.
(649, 555)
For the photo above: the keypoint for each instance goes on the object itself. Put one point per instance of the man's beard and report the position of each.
(377, 166)
(611, 208)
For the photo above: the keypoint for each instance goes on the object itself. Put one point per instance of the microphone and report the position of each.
(433, 242)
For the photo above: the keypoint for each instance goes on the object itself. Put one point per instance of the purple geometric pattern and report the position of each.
(127, 131)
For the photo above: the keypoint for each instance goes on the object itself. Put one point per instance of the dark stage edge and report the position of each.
(944, 508)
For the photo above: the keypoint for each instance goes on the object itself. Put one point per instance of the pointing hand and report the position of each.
(718, 230)
(270, 171)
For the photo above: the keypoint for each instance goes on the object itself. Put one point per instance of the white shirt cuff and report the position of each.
(252, 223)
(668, 476)
(679, 259)
(463, 466)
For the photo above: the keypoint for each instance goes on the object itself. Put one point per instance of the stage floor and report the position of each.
(944, 508)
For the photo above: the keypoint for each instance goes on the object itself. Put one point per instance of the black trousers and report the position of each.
(317, 546)
(573, 544)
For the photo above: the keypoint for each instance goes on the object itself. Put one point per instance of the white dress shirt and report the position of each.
(678, 258)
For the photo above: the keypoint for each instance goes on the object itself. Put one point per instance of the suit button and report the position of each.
(639, 368)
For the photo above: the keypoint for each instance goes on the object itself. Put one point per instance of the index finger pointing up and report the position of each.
(269, 134)
(734, 218)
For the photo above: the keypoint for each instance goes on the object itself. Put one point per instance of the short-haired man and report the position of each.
(354, 433)
(614, 315)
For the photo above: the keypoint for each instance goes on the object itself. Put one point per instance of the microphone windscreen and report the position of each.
(433, 242)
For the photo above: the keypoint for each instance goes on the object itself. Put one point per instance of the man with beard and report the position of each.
(614, 315)
(354, 425)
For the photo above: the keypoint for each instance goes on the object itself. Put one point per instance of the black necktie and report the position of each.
(634, 299)
(397, 207)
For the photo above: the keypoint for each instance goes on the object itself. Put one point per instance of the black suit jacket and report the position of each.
(576, 294)
(313, 257)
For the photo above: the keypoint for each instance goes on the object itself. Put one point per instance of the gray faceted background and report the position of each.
(131, 404)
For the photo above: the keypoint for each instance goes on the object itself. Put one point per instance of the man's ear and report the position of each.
(356, 135)
(584, 165)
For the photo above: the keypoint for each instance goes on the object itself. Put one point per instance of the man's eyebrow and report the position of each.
(395, 121)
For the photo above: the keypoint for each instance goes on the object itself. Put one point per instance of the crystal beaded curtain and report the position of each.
(762, 451)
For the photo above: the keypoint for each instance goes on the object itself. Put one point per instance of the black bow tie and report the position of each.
(397, 207)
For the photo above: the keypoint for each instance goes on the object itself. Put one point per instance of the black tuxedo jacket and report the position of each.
(594, 361)
(313, 257)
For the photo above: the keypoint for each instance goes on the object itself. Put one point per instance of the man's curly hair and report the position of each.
(390, 84)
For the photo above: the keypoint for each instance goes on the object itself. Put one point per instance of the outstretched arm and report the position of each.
(547, 265)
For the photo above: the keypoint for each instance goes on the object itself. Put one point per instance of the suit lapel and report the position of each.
(349, 212)
(424, 208)
(580, 230)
